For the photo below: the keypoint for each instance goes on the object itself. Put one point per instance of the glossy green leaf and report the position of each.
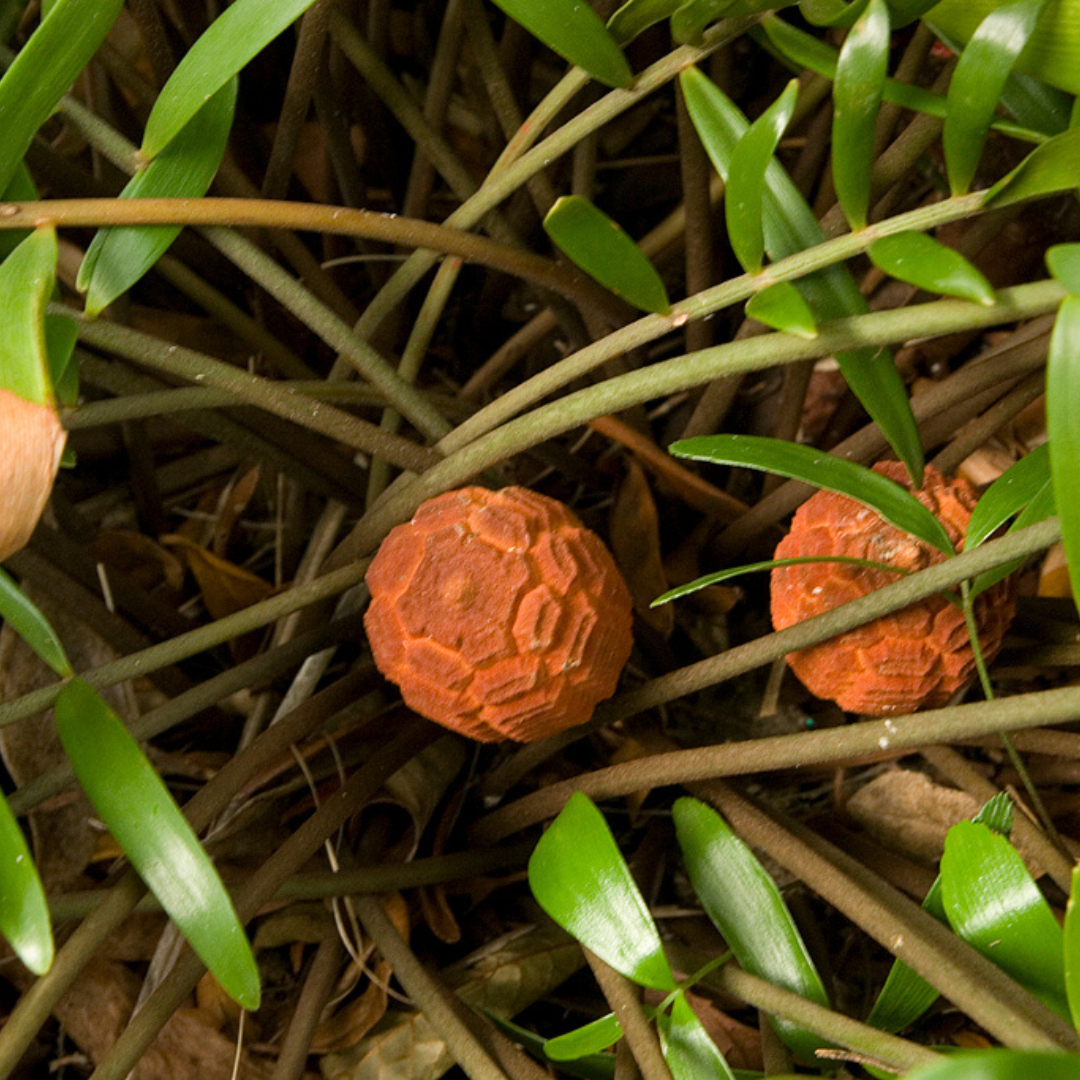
(746, 907)
(1064, 263)
(61, 334)
(977, 84)
(1047, 170)
(834, 13)
(24, 913)
(27, 277)
(919, 260)
(636, 16)
(790, 227)
(241, 31)
(590, 1067)
(745, 195)
(1051, 54)
(1072, 948)
(893, 502)
(902, 12)
(43, 70)
(580, 878)
(21, 188)
(860, 76)
(803, 50)
(906, 995)
(1008, 495)
(689, 1051)
(992, 903)
(1001, 1064)
(587, 1039)
(138, 810)
(782, 307)
(691, 17)
(118, 257)
(23, 616)
(1063, 427)
(591, 240)
(572, 30)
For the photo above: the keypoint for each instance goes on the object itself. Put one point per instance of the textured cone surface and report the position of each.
(498, 614)
(31, 442)
(916, 657)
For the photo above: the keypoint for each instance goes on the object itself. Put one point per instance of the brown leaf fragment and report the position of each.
(226, 588)
(234, 501)
(635, 540)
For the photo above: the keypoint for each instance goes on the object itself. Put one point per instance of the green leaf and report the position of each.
(894, 503)
(746, 907)
(592, 1067)
(688, 1049)
(1063, 427)
(587, 1039)
(805, 51)
(726, 574)
(27, 276)
(905, 995)
(572, 30)
(782, 307)
(1052, 53)
(138, 810)
(241, 31)
(117, 258)
(21, 188)
(744, 198)
(860, 76)
(1008, 495)
(1072, 948)
(1041, 507)
(902, 12)
(24, 913)
(1064, 263)
(691, 18)
(1047, 170)
(832, 12)
(23, 616)
(1001, 1064)
(636, 16)
(992, 903)
(61, 333)
(581, 880)
(790, 227)
(921, 261)
(591, 240)
(43, 70)
(977, 84)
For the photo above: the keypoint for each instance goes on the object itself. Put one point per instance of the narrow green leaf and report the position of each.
(782, 307)
(746, 907)
(1008, 495)
(744, 198)
(834, 13)
(138, 810)
(1001, 1064)
(117, 258)
(1064, 263)
(636, 16)
(1063, 427)
(23, 616)
(1052, 52)
(726, 574)
(890, 500)
(587, 1039)
(688, 1049)
(977, 84)
(860, 76)
(581, 880)
(591, 240)
(24, 913)
(61, 333)
(21, 188)
(43, 70)
(1041, 507)
(592, 1067)
(921, 261)
(27, 277)
(1047, 170)
(1072, 948)
(902, 12)
(790, 227)
(993, 904)
(241, 31)
(905, 995)
(802, 50)
(691, 18)
(572, 30)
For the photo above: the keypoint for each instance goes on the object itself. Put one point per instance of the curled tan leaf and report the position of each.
(31, 442)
